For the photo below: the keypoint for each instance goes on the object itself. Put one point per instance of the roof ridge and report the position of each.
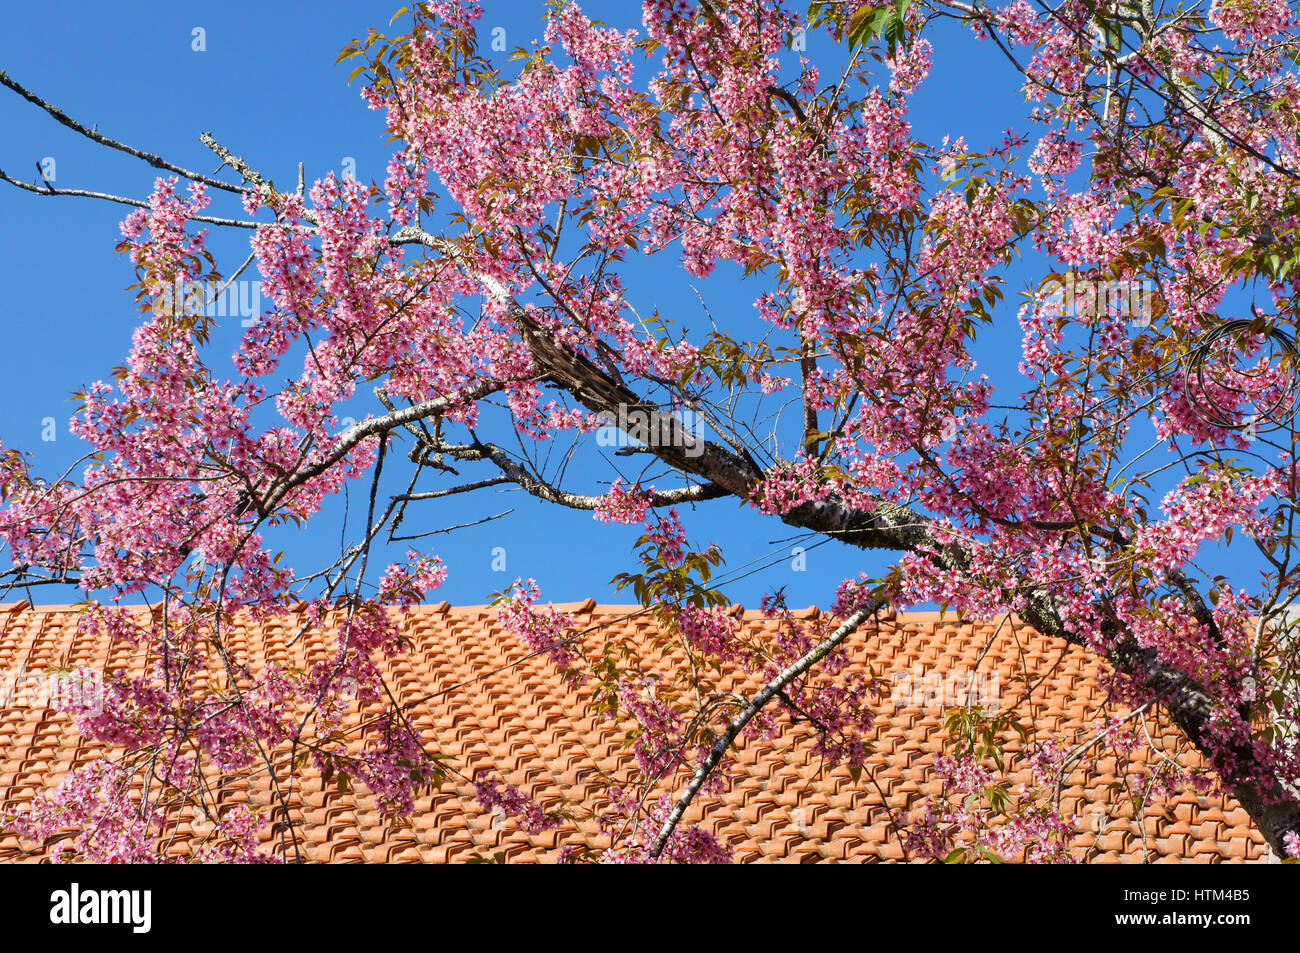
(588, 606)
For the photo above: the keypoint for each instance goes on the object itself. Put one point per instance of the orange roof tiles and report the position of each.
(483, 704)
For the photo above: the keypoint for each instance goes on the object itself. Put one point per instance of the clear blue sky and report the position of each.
(267, 87)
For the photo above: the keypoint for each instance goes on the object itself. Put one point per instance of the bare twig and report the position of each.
(157, 161)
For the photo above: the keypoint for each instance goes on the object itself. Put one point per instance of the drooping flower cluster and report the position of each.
(544, 631)
(978, 815)
(639, 826)
(623, 504)
(510, 801)
(96, 806)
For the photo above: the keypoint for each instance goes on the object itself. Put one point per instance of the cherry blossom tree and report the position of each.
(1154, 169)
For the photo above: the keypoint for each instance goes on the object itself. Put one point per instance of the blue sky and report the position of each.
(266, 86)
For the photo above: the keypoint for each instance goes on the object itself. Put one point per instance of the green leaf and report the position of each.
(894, 30)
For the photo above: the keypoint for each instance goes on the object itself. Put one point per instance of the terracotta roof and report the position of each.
(486, 708)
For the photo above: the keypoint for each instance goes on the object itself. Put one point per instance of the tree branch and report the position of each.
(771, 690)
(157, 161)
(50, 190)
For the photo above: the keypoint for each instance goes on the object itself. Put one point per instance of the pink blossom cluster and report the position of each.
(496, 796)
(800, 483)
(94, 804)
(640, 824)
(131, 713)
(395, 767)
(668, 537)
(1246, 21)
(712, 630)
(977, 815)
(238, 829)
(659, 736)
(543, 631)
(623, 503)
(408, 585)
(910, 65)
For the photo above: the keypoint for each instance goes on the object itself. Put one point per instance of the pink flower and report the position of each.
(623, 504)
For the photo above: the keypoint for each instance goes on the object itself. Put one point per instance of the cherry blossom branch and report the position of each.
(375, 426)
(771, 690)
(892, 526)
(536, 486)
(573, 367)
